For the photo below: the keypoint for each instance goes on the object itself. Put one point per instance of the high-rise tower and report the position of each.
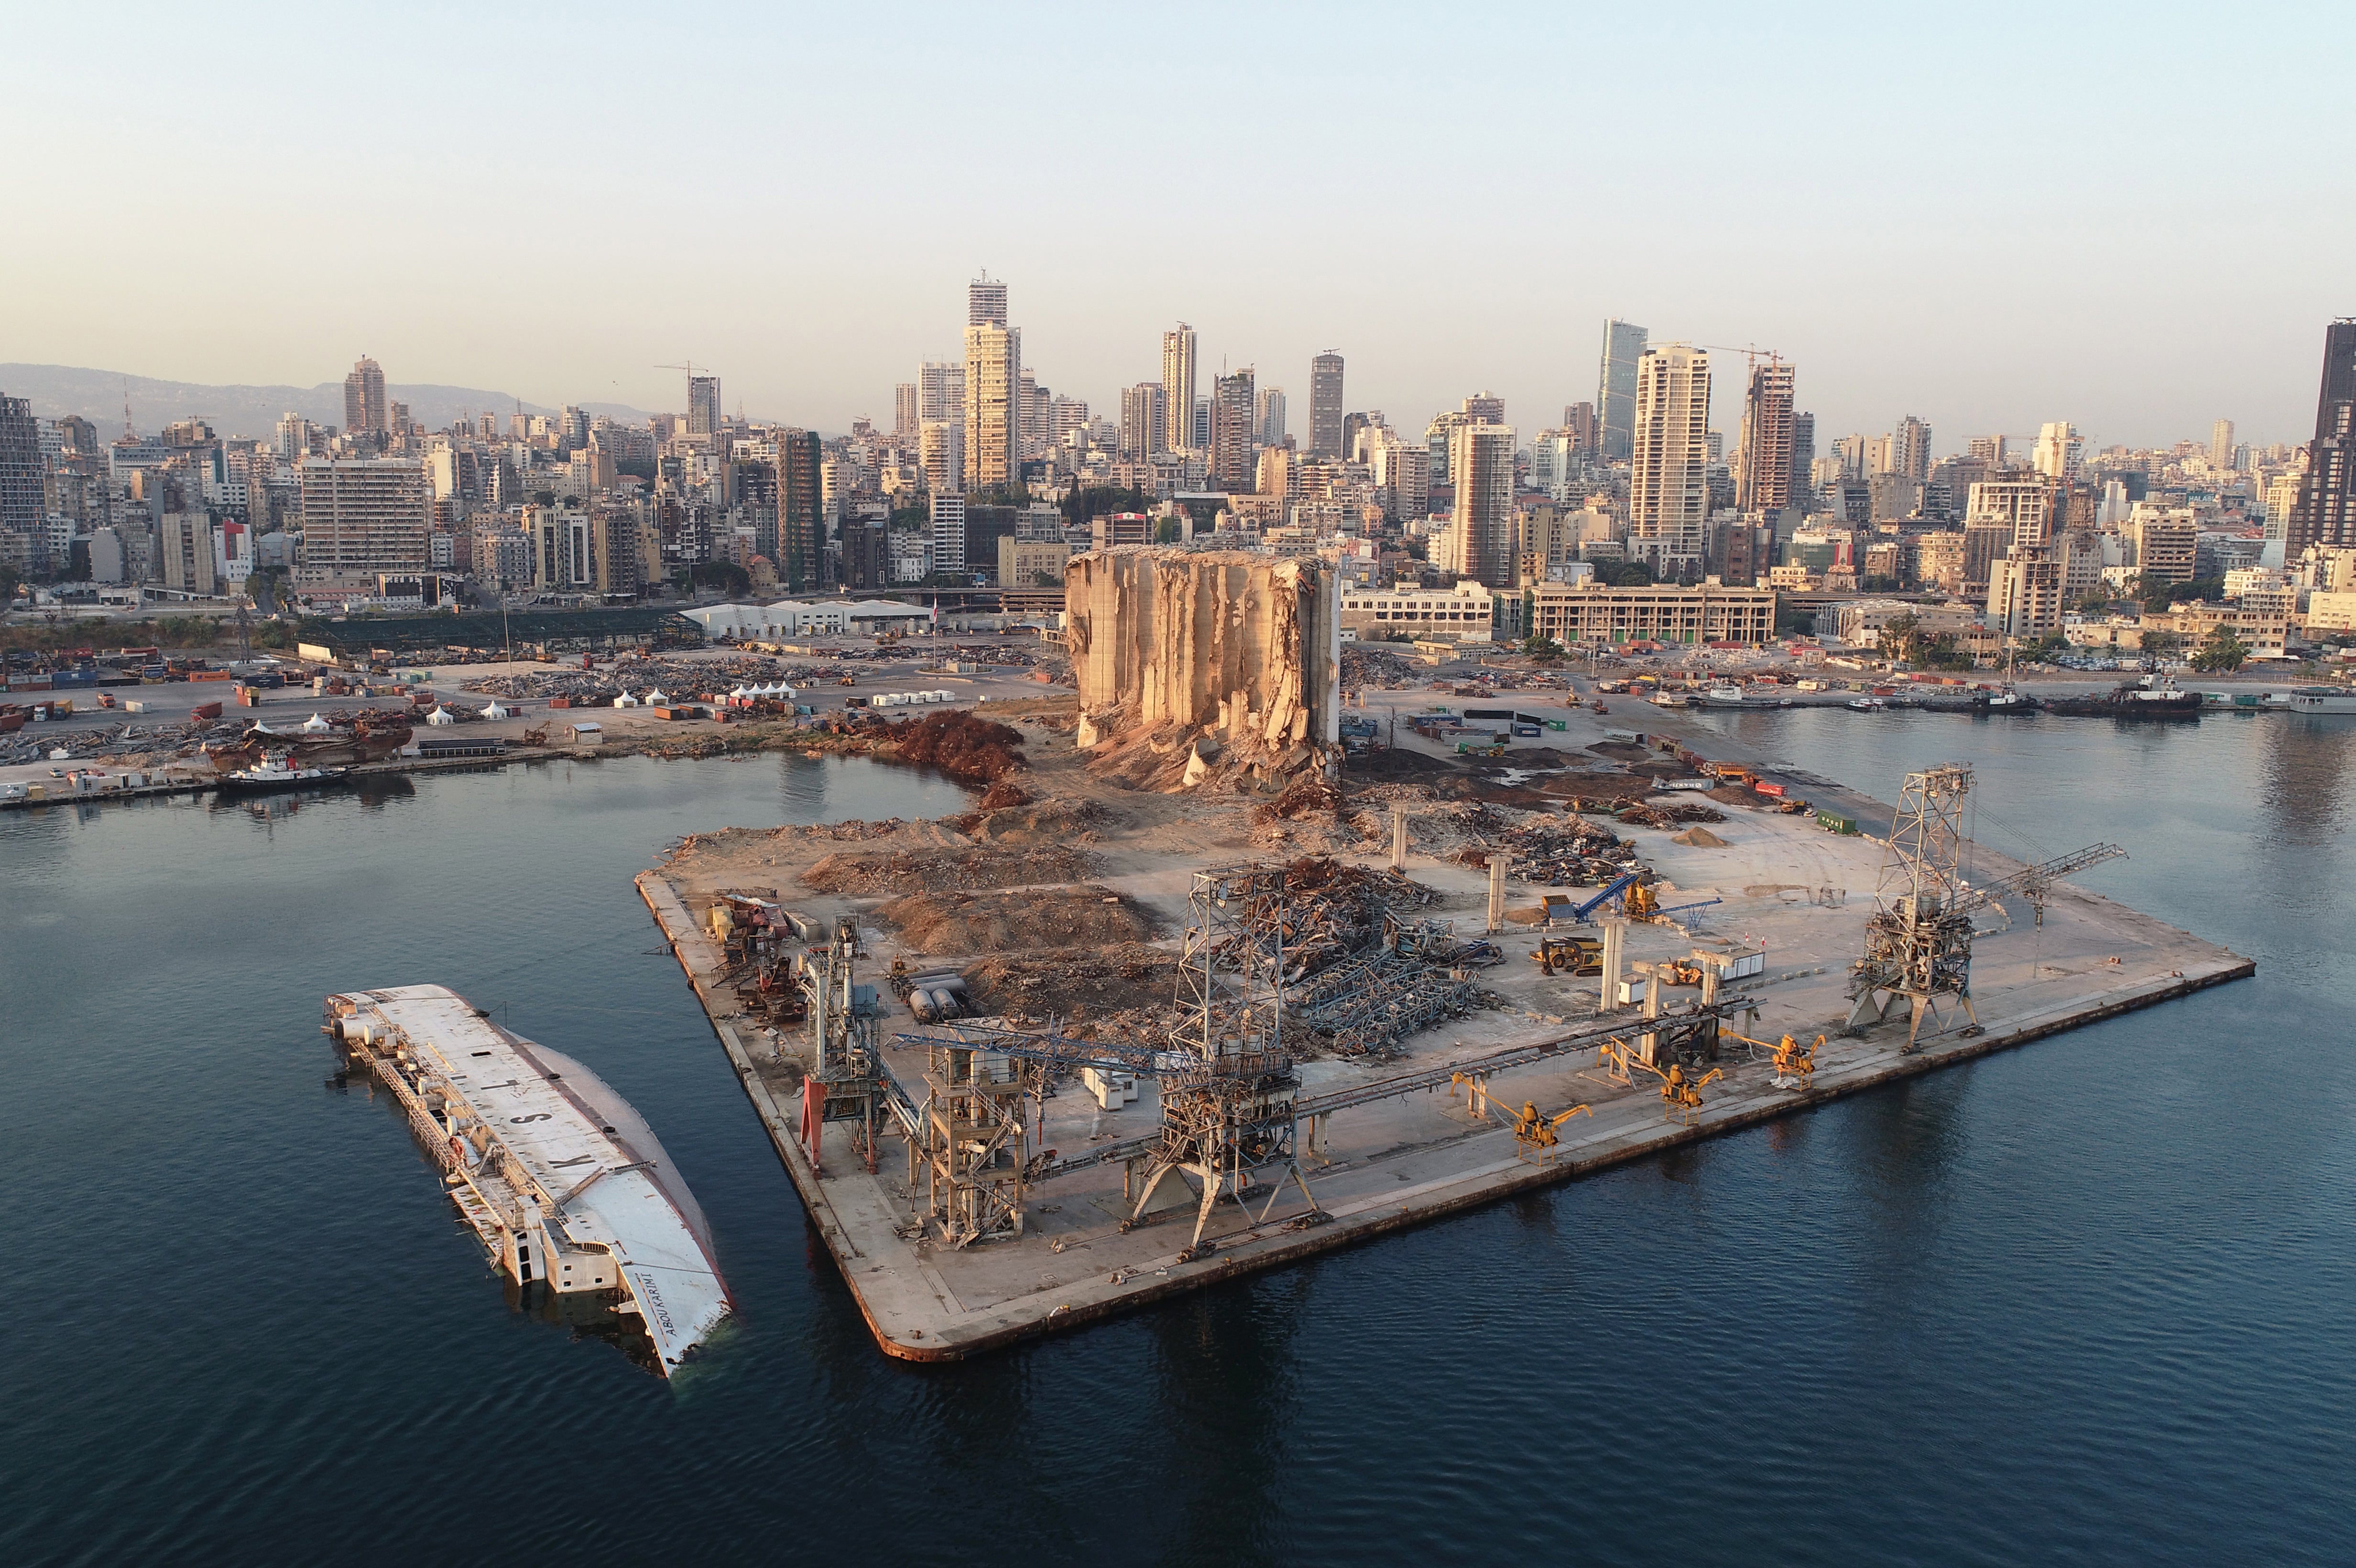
(2325, 510)
(985, 302)
(703, 405)
(1178, 387)
(365, 409)
(1481, 526)
(1325, 405)
(1668, 485)
(1762, 461)
(1231, 431)
(994, 415)
(1615, 388)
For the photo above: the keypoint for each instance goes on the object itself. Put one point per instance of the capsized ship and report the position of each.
(367, 743)
(562, 1182)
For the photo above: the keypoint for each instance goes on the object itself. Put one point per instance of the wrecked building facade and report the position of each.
(1227, 642)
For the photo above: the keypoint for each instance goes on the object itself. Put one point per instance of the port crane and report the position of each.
(1918, 943)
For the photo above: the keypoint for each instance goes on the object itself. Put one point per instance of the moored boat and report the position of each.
(2146, 700)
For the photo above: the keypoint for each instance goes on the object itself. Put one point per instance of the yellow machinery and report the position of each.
(1683, 1095)
(1641, 904)
(1532, 1129)
(1569, 956)
(1795, 1065)
(1676, 972)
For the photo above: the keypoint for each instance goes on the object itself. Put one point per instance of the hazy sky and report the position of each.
(2135, 218)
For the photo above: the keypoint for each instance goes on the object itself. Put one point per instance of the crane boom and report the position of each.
(2035, 881)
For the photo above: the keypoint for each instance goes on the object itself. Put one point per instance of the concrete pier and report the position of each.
(1411, 1160)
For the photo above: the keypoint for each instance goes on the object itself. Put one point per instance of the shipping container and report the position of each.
(1773, 791)
(1833, 822)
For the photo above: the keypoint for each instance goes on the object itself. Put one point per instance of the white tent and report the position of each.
(440, 716)
(625, 700)
(655, 698)
(496, 711)
(314, 725)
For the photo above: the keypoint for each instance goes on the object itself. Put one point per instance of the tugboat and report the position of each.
(1867, 704)
(2151, 698)
(276, 772)
(2007, 699)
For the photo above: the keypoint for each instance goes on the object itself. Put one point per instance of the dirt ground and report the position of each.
(1089, 916)
(898, 873)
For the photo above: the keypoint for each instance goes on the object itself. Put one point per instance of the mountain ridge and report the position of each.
(244, 413)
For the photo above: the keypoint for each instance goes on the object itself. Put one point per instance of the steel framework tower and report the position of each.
(1228, 1095)
(1918, 943)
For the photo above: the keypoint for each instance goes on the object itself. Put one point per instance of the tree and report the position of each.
(1166, 531)
(2220, 652)
(1081, 505)
(1543, 648)
(1878, 584)
(2093, 603)
(2042, 650)
(725, 575)
(1897, 634)
(2162, 644)
(10, 579)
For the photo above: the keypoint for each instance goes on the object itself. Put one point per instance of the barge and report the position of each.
(562, 1182)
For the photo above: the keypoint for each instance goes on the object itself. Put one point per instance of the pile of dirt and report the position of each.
(1002, 794)
(1597, 785)
(1622, 751)
(1735, 794)
(944, 870)
(1699, 838)
(1049, 822)
(950, 923)
(1076, 986)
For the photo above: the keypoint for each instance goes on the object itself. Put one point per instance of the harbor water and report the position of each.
(2089, 1301)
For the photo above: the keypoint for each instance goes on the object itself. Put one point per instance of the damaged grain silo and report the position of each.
(1226, 648)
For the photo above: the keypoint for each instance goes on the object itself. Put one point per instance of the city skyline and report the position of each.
(1907, 301)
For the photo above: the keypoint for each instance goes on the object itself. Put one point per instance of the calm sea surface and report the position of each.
(2085, 1302)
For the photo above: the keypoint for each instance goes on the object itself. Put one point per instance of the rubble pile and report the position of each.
(678, 677)
(895, 873)
(1667, 816)
(1333, 908)
(1365, 668)
(964, 746)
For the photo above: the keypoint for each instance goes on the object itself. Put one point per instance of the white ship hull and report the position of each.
(562, 1182)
